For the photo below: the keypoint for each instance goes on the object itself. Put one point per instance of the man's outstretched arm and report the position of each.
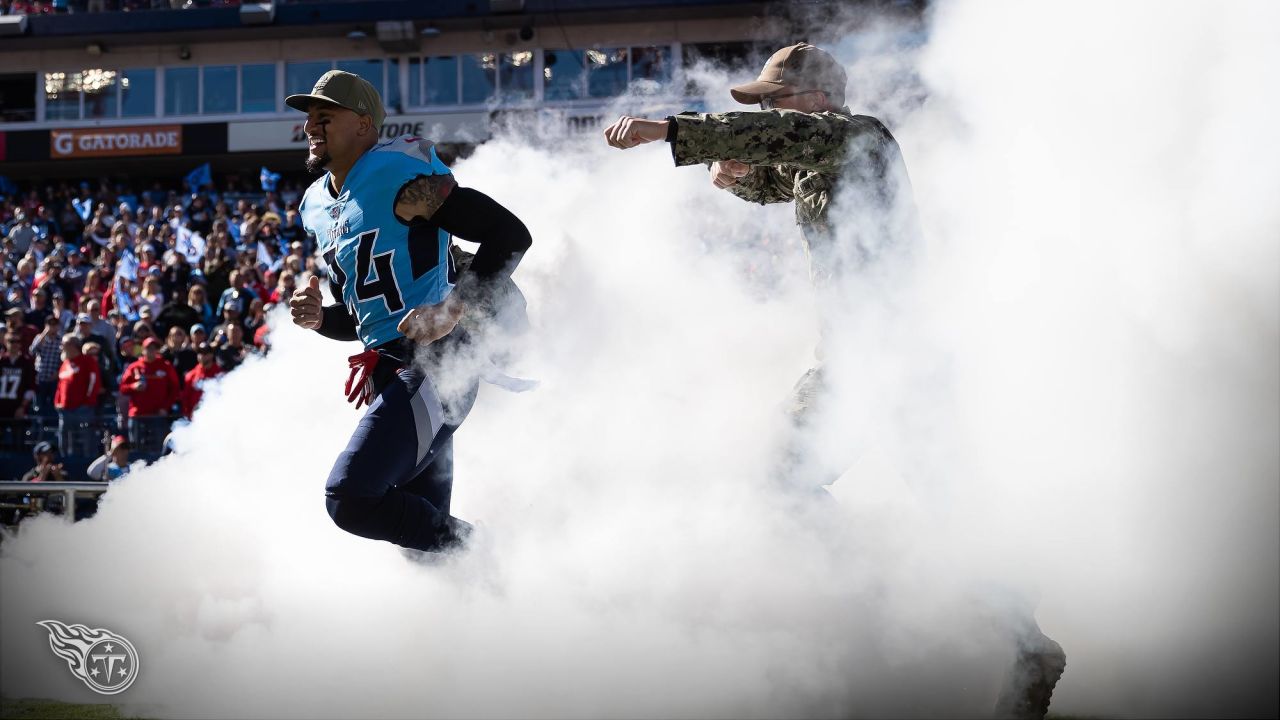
(756, 182)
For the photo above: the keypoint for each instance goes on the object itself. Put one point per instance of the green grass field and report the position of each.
(52, 710)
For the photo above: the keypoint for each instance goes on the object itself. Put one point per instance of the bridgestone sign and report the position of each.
(116, 142)
(287, 134)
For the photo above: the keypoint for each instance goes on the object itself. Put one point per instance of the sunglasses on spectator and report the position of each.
(769, 102)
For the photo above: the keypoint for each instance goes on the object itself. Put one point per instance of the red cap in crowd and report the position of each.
(150, 342)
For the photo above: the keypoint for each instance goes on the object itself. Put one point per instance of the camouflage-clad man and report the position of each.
(804, 146)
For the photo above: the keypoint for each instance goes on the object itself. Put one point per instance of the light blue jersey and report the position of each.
(383, 271)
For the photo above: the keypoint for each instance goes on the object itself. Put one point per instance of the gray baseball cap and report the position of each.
(346, 90)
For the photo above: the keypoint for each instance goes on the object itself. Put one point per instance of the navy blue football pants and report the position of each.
(394, 480)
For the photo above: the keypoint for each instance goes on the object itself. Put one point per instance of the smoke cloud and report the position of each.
(1067, 398)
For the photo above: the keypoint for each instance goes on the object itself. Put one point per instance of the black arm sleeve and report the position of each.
(471, 215)
(337, 323)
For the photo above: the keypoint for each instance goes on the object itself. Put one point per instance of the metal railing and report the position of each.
(34, 495)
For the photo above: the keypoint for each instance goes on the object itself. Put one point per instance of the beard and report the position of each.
(315, 165)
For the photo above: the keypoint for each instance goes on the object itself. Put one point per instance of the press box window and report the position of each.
(257, 88)
(18, 97)
(219, 89)
(181, 91)
(138, 92)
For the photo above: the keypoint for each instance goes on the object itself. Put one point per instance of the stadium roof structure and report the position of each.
(311, 17)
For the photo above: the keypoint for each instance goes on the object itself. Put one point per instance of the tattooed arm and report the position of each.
(421, 197)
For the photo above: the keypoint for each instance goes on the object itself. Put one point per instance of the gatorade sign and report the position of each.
(116, 142)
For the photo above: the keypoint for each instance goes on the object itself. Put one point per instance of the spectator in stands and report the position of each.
(17, 388)
(230, 315)
(15, 320)
(129, 352)
(297, 265)
(206, 368)
(177, 216)
(178, 351)
(46, 351)
(79, 384)
(110, 378)
(26, 275)
(125, 217)
(47, 468)
(237, 294)
(99, 228)
(151, 383)
(231, 350)
(261, 337)
(73, 274)
(199, 336)
(148, 260)
(44, 223)
(39, 310)
(143, 329)
(284, 288)
(122, 328)
(22, 233)
(59, 309)
(200, 215)
(156, 220)
(100, 327)
(291, 229)
(151, 296)
(94, 286)
(177, 275)
(10, 256)
(183, 311)
(85, 330)
(217, 268)
(256, 318)
(114, 463)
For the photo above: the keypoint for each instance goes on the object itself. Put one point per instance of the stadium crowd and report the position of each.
(119, 302)
(38, 7)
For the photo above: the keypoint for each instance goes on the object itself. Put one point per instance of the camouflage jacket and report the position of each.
(805, 157)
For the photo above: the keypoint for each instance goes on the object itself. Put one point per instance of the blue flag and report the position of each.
(200, 177)
(84, 208)
(124, 303)
(269, 179)
(265, 260)
(8, 189)
(128, 266)
(190, 244)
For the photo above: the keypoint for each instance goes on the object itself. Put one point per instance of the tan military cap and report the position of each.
(800, 67)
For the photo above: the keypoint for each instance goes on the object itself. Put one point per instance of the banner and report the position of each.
(84, 208)
(190, 244)
(127, 266)
(268, 179)
(287, 134)
(199, 178)
(116, 142)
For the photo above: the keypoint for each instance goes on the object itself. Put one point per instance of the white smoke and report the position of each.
(1073, 397)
